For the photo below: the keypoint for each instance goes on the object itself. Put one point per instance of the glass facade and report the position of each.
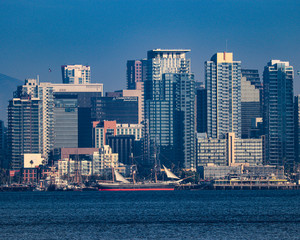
(121, 109)
(250, 105)
(170, 109)
(66, 122)
(279, 113)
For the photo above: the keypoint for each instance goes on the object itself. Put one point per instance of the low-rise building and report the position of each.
(230, 151)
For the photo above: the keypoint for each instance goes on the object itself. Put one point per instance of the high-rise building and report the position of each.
(169, 93)
(2, 145)
(279, 113)
(223, 85)
(65, 121)
(44, 92)
(76, 74)
(252, 75)
(201, 107)
(136, 74)
(23, 129)
(250, 105)
(297, 127)
(131, 93)
(121, 109)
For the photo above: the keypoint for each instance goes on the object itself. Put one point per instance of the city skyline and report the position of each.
(112, 33)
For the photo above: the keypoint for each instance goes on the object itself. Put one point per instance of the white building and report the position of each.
(32, 160)
(223, 84)
(44, 91)
(105, 159)
(76, 74)
(111, 127)
(68, 167)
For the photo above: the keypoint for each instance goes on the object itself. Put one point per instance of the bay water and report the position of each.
(150, 215)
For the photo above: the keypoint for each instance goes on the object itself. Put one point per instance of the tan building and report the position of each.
(230, 151)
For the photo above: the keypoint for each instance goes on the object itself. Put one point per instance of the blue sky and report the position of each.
(36, 34)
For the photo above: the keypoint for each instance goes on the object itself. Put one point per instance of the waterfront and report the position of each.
(150, 215)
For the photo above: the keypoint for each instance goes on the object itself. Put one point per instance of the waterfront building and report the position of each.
(120, 109)
(106, 159)
(77, 159)
(70, 167)
(223, 84)
(212, 171)
(169, 93)
(136, 72)
(31, 167)
(76, 74)
(250, 105)
(201, 107)
(279, 113)
(23, 129)
(229, 151)
(297, 127)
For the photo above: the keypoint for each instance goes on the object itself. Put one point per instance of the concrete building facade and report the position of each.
(76, 74)
(230, 151)
(223, 84)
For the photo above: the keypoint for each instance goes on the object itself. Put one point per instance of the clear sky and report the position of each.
(36, 34)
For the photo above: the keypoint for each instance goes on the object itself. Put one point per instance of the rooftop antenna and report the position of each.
(38, 79)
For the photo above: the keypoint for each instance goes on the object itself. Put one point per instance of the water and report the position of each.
(150, 215)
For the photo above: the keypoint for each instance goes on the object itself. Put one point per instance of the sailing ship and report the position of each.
(122, 184)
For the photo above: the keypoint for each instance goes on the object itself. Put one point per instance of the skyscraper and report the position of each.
(252, 75)
(250, 105)
(23, 129)
(2, 145)
(136, 74)
(201, 106)
(169, 93)
(297, 127)
(223, 84)
(121, 109)
(76, 74)
(65, 121)
(279, 113)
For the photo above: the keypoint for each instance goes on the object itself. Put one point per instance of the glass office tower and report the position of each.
(170, 109)
(279, 113)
